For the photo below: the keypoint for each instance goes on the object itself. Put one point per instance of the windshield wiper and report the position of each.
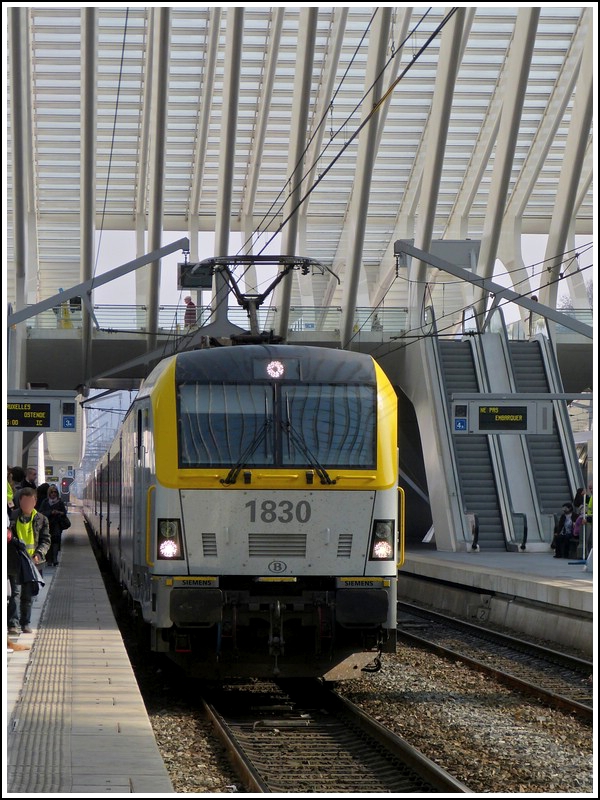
(261, 434)
(299, 442)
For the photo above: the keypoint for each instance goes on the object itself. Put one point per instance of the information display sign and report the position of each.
(492, 416)
(194, 276)
(500, 419)
(28, 415)
(40, 410)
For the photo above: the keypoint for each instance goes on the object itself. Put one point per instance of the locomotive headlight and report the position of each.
(168, 544)
(382, 540)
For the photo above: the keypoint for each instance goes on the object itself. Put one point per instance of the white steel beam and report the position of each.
(16, 366)
(89, 82)
(324, 101)
(208, 82)
(296, 160)
(160, 87)
(356, 219)
(264, 102)
(231, 90)
(577, 141)
(20, 163)
(551, 120)
(437, 131)
(391, 75)
(405, 216)
(143, 152)
(519, 60)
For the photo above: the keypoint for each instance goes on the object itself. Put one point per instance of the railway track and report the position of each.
(302, 737)
(560, 680)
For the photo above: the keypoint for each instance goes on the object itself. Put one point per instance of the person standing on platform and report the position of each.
(29, 481)
(565, 531)
(11, 647)
(54, 509)
(18, 476)
(30, 478)
(189, 319)
(63, 313)
(31, 531)
(10, 490)
(533, 317)
(579, 501)
(377, 324)
(589, 502)
(41, 493)
(589, 513)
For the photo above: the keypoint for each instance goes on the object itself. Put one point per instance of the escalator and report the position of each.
(546, 452)
(472, 453)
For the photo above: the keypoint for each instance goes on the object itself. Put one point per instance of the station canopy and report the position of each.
(338, 129)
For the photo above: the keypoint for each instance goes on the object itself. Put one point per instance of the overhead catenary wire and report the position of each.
(376, 108)
(267, 217)
(348, 142)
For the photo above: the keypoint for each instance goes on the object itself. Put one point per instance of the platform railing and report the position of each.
(133, 318)
(537, 325)
(389, 322)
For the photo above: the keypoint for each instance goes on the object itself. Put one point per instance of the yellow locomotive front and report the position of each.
(271, 508)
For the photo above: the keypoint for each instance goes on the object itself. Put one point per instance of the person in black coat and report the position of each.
(11, 646)
(30, 478)
(42, 493)
(579, 500)
(565, 530)
(54, 509)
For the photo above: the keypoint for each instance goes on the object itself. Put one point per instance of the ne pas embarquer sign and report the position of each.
(491, 418)
(527, 417)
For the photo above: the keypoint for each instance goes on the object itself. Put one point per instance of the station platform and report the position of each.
(75, 721)
(530, 593)
(74, 718)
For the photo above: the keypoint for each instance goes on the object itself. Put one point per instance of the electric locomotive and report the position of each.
(249, 507)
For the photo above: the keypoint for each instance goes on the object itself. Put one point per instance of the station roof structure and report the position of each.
(340, 129)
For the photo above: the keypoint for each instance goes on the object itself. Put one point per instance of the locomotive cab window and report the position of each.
(282, 425)
(219, 423)
(336, 424)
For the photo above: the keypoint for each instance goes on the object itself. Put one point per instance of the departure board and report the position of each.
(28, 415)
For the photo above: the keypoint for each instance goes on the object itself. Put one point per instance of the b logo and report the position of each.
(277, 567)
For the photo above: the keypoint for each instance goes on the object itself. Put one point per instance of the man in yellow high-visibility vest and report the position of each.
(30, 531)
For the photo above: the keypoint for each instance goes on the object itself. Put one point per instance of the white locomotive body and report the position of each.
(249, 507)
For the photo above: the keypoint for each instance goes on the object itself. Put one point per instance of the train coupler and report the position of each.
(374, 666)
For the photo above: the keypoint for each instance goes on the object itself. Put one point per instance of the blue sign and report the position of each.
(460, 424)
(68, 423)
